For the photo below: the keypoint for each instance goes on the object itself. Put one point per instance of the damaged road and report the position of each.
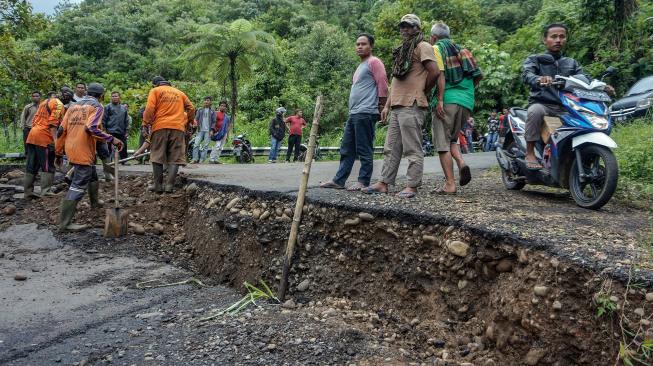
(487, 277)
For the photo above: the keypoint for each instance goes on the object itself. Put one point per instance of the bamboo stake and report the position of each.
(301, 195)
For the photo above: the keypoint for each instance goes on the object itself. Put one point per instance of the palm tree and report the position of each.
(228, 53)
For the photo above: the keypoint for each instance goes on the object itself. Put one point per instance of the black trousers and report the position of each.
(83, 175)
(294, 142)
(39, 158)
(25, 134)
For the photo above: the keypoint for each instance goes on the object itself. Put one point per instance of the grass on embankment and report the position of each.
(635, 157)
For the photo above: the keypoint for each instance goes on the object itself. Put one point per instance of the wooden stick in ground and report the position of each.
(301, 195)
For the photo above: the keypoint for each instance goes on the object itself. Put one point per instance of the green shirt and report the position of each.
(461, 93)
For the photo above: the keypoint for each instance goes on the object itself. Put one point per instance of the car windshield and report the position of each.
(642, 86)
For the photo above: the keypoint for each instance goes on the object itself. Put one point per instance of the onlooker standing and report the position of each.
(415, 71)
(277, 131)
(503, 121)
(455, 103)
(116, 121)
(204, 119)
(79, 130)
(220, 131)
(492, 131)
(28, 114)
(39, 150)
(168, 111)
(368, 95)
(80, 92)
(469, 133)
(295, 125)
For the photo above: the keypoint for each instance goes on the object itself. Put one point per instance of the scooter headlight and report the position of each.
(597, 122)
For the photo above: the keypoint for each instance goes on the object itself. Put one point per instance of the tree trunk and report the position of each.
(234, 91)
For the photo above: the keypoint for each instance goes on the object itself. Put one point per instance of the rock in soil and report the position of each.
(9, 210)
(458, 248)
(20, 277)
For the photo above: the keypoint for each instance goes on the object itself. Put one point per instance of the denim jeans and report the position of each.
(357, 141)
(201, 146)
(470, 142)
(491, 140)
(275, 145)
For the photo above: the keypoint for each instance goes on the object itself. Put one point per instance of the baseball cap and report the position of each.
(280, 110)
(158, 80)
(95, 88)
(411, 19)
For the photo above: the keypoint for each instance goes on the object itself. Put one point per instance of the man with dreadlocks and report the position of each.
(414, 72)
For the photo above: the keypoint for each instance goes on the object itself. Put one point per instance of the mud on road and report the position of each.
(376, 281)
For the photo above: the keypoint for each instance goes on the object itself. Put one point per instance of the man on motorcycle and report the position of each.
(543, 100)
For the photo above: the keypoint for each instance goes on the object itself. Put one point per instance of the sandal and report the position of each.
(356, 187)
(372, 190)
(465, 176)
(406, 194)
(331, 184)
(533, 165)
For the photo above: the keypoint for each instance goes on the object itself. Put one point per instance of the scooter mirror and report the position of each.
(610, 71)
(545, 59)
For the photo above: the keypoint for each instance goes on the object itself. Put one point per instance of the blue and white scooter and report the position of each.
(578, 154)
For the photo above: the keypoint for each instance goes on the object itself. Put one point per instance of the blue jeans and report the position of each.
(470, 142)
(491, 140)
(275, 145)
(201, 145)
(357, 141)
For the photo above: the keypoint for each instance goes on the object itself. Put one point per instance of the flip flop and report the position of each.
(331, 184)
(372, 190)
(356, 187)
(405, 194)
(442, 192)
(465, 176)
(533, 165)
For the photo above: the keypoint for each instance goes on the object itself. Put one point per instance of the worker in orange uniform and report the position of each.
(80, 129)
(168, 111)
(39, 147)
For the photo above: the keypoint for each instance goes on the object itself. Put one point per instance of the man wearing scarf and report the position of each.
(414, 72)
(453, 105)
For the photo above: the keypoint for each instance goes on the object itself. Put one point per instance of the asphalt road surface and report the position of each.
(285, 177)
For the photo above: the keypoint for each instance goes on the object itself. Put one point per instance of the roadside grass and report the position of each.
(635, 157)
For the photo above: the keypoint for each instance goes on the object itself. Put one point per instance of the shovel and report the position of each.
(115, 224)
(109, 169)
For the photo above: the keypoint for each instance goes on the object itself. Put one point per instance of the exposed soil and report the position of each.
(415, 281)
(371, 284)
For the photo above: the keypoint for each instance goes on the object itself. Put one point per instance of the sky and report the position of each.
(46, 6)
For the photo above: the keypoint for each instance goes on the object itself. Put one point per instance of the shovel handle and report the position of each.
(116, 157)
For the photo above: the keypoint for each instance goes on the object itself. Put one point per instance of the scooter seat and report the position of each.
(520, 113)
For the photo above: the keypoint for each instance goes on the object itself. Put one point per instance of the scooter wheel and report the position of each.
(509, 183)
(602, 173)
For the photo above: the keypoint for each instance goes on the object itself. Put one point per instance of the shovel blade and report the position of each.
(115, 224)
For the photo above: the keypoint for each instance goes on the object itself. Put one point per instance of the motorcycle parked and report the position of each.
(242, 149)
(303, 148)
(427, 145)
(578, 154)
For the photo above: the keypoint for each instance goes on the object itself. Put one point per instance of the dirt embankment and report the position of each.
(435, 292)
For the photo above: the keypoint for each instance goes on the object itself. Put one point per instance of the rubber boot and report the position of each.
(157, 175)
(94, 195)
(46, 184)
(68, 209)
(108, 177)
(28, 186)
(170, 178)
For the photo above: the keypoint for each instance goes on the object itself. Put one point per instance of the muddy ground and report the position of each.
(431, 283)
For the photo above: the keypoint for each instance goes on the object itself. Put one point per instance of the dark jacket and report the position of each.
(533, 69)
(277, 128)
(198, 118)
(115, 119)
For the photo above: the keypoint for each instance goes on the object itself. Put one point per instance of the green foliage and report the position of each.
(635, 152)
(605, 305)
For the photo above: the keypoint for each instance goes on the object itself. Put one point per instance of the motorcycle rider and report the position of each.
(543, 100)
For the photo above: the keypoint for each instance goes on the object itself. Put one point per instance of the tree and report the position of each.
(228, 53)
